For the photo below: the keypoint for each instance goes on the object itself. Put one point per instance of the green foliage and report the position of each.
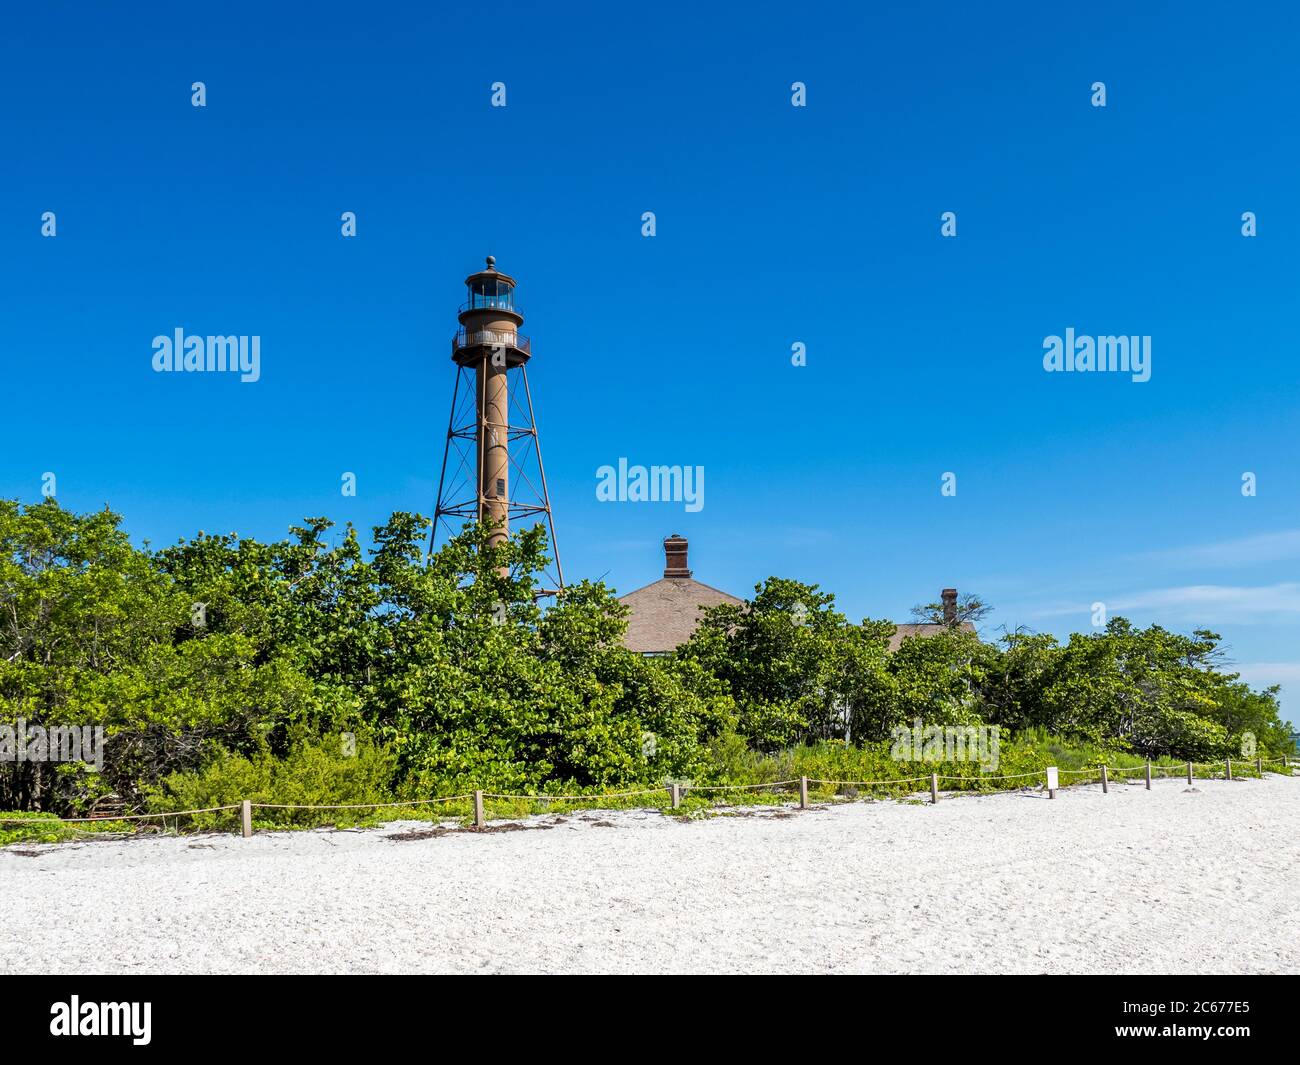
(795, 666)
(97, 633)
(1148, 690)
(24, 826)
(222, 646)
(800, 672)
(222, 668)
(316, 773)
(1014, 685)
(940, 679)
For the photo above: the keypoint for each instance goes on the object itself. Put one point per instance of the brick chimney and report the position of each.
(675, 557)
(950, 606)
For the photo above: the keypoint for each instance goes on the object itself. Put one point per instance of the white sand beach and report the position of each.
(1167, 880)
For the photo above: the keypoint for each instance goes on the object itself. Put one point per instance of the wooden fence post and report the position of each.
(1229, 764)
(1189, 773)
(934, 787)
(246, 818)
(1259, 767)
(479, 821)
(676, 791)
(1052, 781)
(1105, 782)
(803, 793)
(1148, 776)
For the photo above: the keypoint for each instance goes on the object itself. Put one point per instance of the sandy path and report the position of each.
(1133, 881)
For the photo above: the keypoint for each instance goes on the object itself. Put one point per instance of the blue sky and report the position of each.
(775, 225)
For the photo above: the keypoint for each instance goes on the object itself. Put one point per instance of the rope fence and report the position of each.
(740, 787)
(675, 792)
(114, 817)
(572, 798)
(349, 805)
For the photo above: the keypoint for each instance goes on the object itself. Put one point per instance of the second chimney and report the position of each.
(950, 606)
(675, 557)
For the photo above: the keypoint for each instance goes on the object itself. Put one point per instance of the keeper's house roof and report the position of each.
(903, 631)
(664, 614)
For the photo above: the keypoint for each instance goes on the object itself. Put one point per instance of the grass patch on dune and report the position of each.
(736, 777)
(18, 826)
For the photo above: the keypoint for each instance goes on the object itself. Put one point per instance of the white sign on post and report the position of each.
(1052, 784)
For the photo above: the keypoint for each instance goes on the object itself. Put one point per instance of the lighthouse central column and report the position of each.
(494, 394)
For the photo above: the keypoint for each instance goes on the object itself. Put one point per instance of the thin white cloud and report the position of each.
(1246, 551)
(1199, 603)
(1262, 674)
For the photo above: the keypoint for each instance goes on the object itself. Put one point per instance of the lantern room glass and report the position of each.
(491, 292)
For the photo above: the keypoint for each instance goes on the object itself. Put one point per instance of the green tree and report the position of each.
(93, 634)
(939, 679)
(796, 668)
(1013, 687)
(1147, 690)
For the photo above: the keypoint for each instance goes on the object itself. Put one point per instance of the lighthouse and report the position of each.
(492, 468)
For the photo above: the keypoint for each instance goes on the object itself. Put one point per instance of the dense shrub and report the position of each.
(320, 773)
